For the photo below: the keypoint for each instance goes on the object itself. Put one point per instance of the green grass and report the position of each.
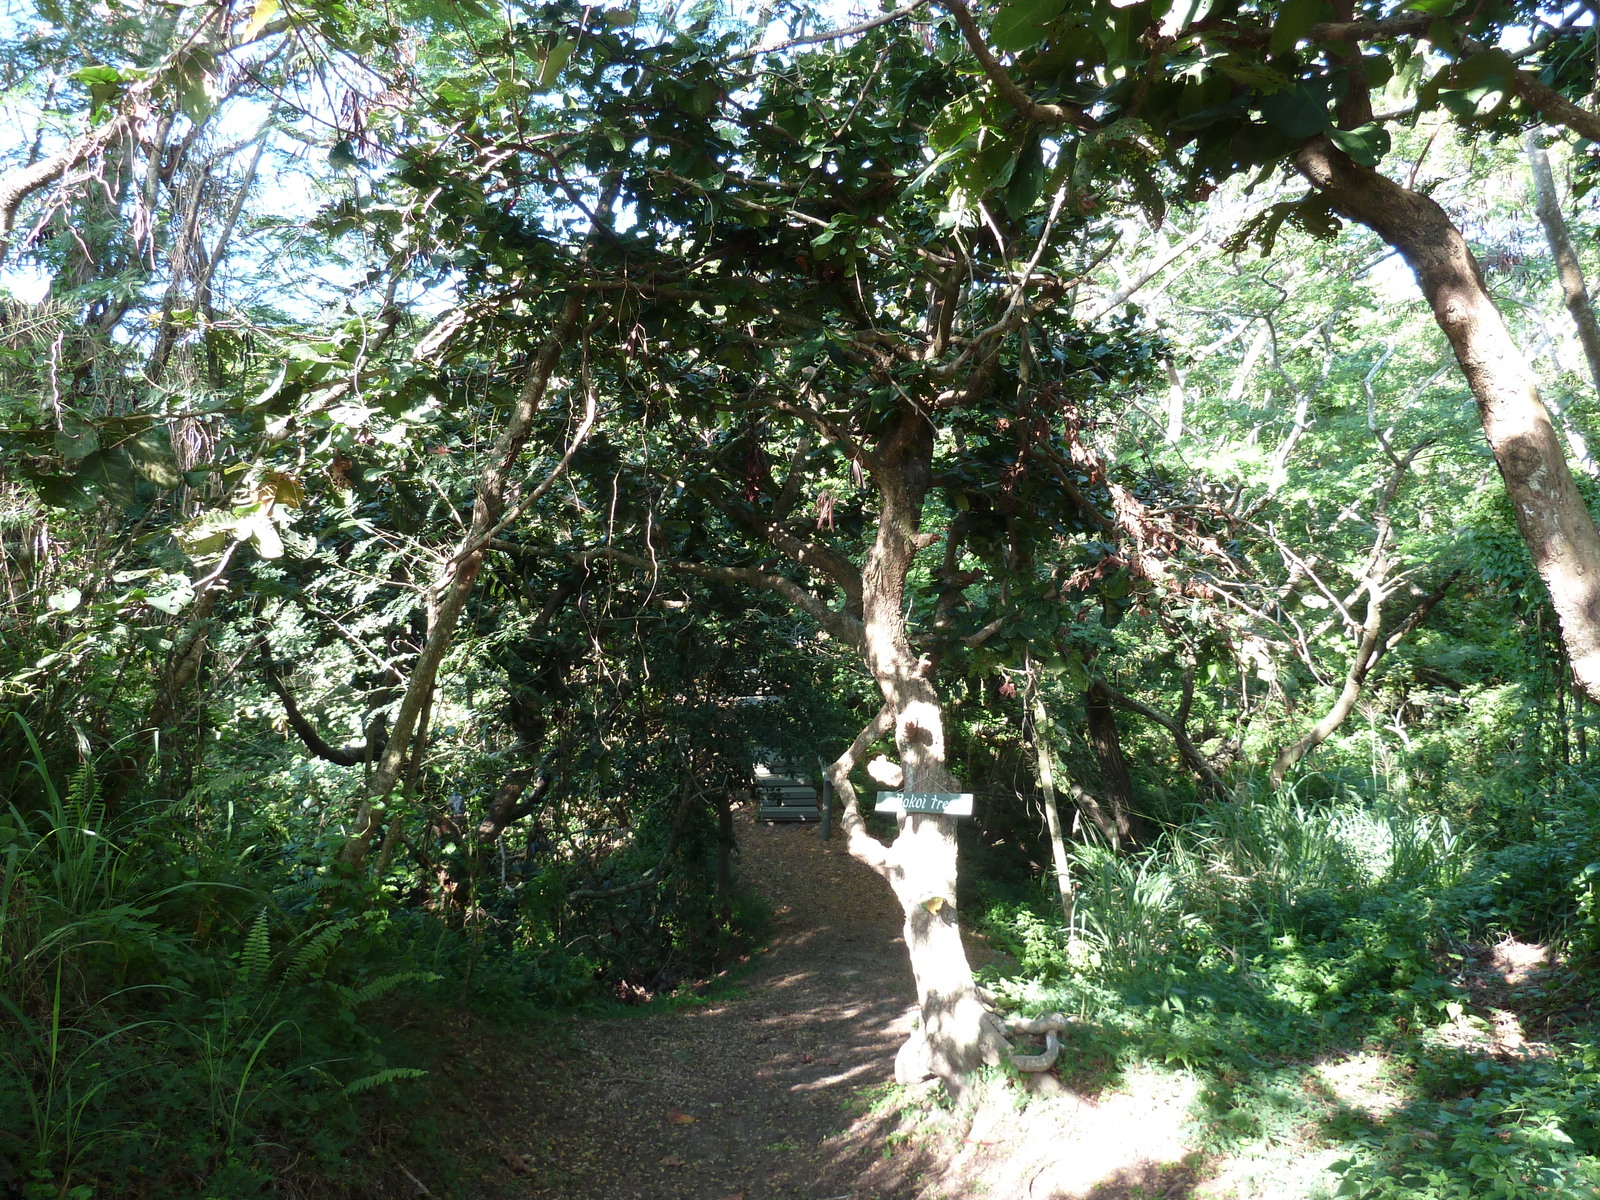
(1303, 962)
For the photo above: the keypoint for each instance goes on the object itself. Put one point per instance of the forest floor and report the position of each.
(779, 1086)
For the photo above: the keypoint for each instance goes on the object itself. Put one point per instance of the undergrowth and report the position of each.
(192, 1005)
(173, 1026)
(1271, 946)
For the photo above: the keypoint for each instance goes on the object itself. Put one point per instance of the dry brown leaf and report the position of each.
(681, 1118)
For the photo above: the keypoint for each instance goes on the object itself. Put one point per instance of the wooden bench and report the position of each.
(784, 796)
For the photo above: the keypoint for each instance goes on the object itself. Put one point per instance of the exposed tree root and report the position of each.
(1049, 1024)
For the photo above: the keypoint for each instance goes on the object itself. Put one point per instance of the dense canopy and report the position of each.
(444, 447)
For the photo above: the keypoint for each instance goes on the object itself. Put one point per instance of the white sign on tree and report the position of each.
(949, 804)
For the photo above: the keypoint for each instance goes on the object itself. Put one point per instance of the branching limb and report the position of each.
(509, 805)
(1187, 750)
(862, 845)
(802, 551)
(839, 624)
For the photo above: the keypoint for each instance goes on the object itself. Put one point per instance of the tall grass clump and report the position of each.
(168, 1027)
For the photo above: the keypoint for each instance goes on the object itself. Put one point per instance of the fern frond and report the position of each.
(381, 1078)
(317, 950)
(382, 986)
(83, 791)
(256, 957)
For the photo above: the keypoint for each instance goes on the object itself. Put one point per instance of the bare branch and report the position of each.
(831, 35)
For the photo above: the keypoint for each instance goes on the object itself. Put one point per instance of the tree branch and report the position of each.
(830, 35)
(351, 755)
(1045, 114)
(862, 845)
(839, 624)
(1187, 750)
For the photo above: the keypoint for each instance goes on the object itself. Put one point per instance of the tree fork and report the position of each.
(457, 580)
(1555, 524)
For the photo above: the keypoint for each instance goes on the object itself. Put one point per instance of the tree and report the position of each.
(1199, 78)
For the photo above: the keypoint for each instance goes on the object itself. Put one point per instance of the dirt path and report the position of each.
(759, 1096)
(749, 1097)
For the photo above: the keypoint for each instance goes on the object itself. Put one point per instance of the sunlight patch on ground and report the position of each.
(1057, 1144)
(1364, 1082)
(1286, 1171)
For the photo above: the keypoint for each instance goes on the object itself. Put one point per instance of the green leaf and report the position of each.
(554, 61)
(1379, 70)
(958, 122)
(1021, 23)
(98, 76)
(1296, 112)
(150, 452)
(65, 600)
(108, 473)
(272, 389)
(1182, 14)
(1489, 67)
(174, 600)
(1366, 145)
(1295, 19)
(77, 441)
(1202, 117)
(260, 532)
(203, 543)
(1252, 74)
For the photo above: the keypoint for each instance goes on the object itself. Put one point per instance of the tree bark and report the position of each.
(958, 1033)
(1569, 274)
(1047, 785)
(1107, 745)
(508, 805)
(1557, 527)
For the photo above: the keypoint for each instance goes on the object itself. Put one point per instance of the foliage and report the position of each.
(1269, 939)
(245, 426)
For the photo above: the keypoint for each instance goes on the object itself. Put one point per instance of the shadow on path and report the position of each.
(750, 1097)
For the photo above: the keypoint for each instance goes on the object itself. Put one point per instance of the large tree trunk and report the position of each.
(1101, 720)
(1558, 528)
(958, 1034)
